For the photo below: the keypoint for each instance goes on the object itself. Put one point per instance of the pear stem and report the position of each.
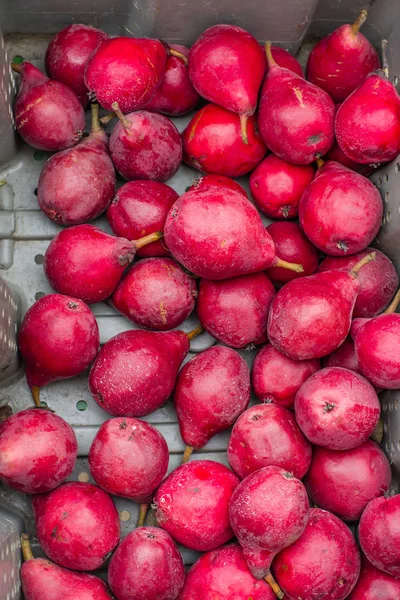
(320, 162)
(270, 59)
(243, 129)
(187, 454)
(394, 304)
(142, 515)
(26, 547)
(195, 332)
(16, 67)
(120, 115)
(273, 585)
(35, 391)
(107, 118)
(148, 239)
(361, 263)
(178, 54)
(95, 118)
(385, 64)
(359, 22)
(279, 262)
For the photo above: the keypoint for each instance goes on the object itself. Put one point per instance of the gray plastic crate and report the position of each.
(25, 232)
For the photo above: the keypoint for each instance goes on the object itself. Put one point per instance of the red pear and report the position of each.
(340, 211)
(223, 574)
(146, 564)
(192, 504)
(76, 185)
(156, 293)
(284, 59)
(344, 356)
(227, 66)
(88, 263)
(311, 316)
(373, 111)
(291, 245)
(265, 435)
(135, 371)
(205, 181)
(340, 62)
(295, 118)
(336, 154)
(377, 345)
(268, 511)
(374, 584)
(77, 525)
(277, 378)
(59, 338)
(379, 535)
(378, 280)
(212, 143)
(145, 145)
(211, 391)
(343, 482)
(127, 71)
(140, 208)
(176, 95)
(48, 114)
(129, 458)
(216, 233)
(67, 55)
(42, 579)
(323, 563)
(337, 409)
(38, 450)
(277, 186)
(235, 311)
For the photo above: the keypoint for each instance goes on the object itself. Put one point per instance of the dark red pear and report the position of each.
(235, 311)
(373, 111)
(145, 145)
(77, 525)
(156, 293)
(146, 564)
(267, 434)
(129, 458)
(378, 280)
(217, 180)
(135, 371)
(88, 263)
(140, 208)
(77, 185)
(175, 95)
(211, 391)
(296, 118)
(336, 154)
(48, 114)
(340, 62)
(42, 579)
(212, 143)
(38, 450)
(217, 233)
(323, 563)
(310, 317)
(277, 378)
(340, 211)
(292, 245)
(263, 523)
(127, 71)
(374, 584)
(227, 66)
(344, 356)
(284, 59)
(59, 338)
(67, 55)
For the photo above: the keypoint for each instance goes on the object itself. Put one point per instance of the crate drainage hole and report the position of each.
(84, 477)
(386, 177)
(39, 295)
(387, 197)
(81, 405)
(124, 515)
(397, 167)
(39, 258)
